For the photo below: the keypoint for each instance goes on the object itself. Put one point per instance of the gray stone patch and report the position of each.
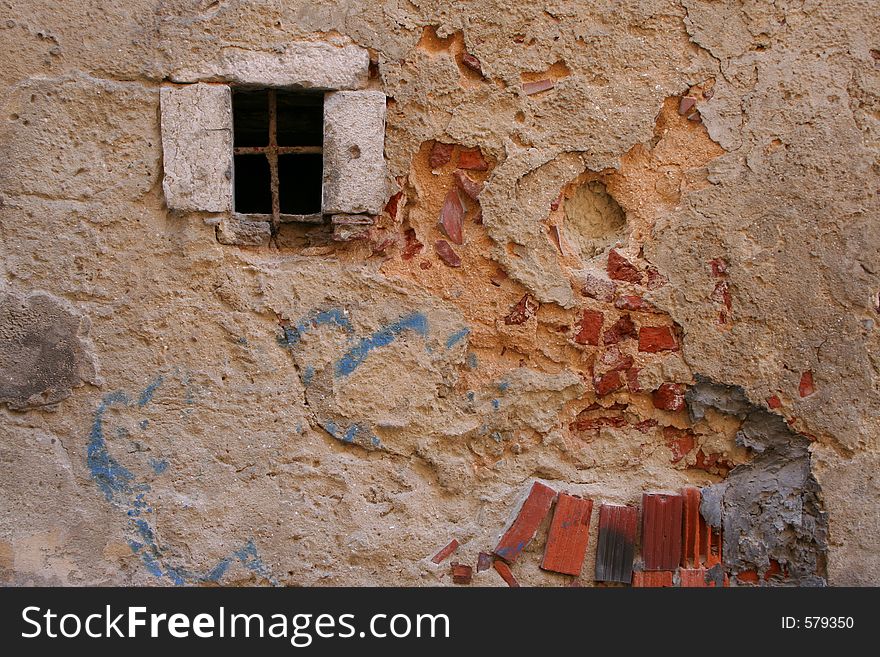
(43, 353)
(236, 230)
(354, 152)
(307, 65)
(197, 147)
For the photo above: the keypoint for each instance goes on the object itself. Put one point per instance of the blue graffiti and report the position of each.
(416, 322)
(503, 386)
(457, 337)
(334, 316)
(472, 360)
(496, 404)
(159, 465)
(147, 395)
(308, 374)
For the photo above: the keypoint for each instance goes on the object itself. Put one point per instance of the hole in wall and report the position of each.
(593, 219)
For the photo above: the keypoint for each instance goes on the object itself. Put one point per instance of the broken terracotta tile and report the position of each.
(719, 266)
(806, 387)
(554, 205)
(635, 303)
(693, 530)
(445, 552)
(531, 88)
(657, 338)
(622, 329)
(413, 246)
(613, 359)
(774, 402)
(632, 380)
(695, 117)
(525, 526)
(484, 561)
(462, 574)
(661, 531)
(695, 578)
(446, 253)
(557, 238)
(589, 327)
(680, 441)
(452, 217)
(608, 383)
(393, 204)
(470, 187)
(472, 63)
(472, 159)
(652, 579)
(522, 311)
(621, 269)
(440, 154)
(569, 534)
(669, 397)
(686, 104)
(617, 535)
(504, 570)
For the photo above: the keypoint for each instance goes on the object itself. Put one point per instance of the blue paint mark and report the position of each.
(496, 437)
(457, 337)
(242, 341)
(308, 374)
(110, 476)
(334, 317)
(416, 322)
(299, 427)
(251, 560)
(496, 404)
(470, 395)
(143, 424)
(159, 465)
(217, 571)
(503, 386)
(472, 360)
(147, 395)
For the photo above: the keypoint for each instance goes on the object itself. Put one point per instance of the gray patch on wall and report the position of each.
(44, 351)
(769, 508)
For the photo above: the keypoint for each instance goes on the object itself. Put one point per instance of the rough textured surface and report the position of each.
(291, 408)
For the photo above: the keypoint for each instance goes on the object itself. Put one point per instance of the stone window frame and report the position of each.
(197, 135)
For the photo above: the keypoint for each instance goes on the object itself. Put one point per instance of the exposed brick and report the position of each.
(608, 383)
(589, 327)
(525, 526)
(686, 104)
(719, 267)
(635, 303)
(621, 269)
(645, 426)
(612, 359)
(446, 253)
(652, 579)
(393, 204)
(622, 329)
(748, 576)
(806, 386)
(657, 338)
(569, 534)
(462, 574)
(472, 63)
(721, 294)
(504, 570)
(522, 311)
(413, 246)
(632, 380)
(446, 551)
(699, 578)
(554, 205)
(773, 401)
(472, 159)
(661, 531)
(452, 217)
(712, 462)
(680, 441)
(669, 397)
(440, 154)
(468, 185)
(530, 88)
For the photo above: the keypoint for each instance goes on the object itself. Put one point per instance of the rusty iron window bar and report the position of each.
(273, 152)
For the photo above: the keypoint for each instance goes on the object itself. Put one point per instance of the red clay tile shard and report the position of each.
(693, 530)
(656, 279)
(657, 338)
(524, 528)
(472, 63)
(697, 578)
(470, 187)
(462, 574)
(393, 204)
(522, 311)
(687, 103)
(446, 253)
(569, 534)
(445, 552)
(669, 397)
(473, 160)
(635, 303)
(504, 570)
(440, 154)
(608, 383)
(681, 442)
(652, 579)
(452, 217)
(531, 88)
(719, 266)
(773, 402)
(621, 269)
(622, 329)
(617, 534)
(589, 327)
(661, 531)
(806, 386)
(413, 246)
(484, 561)
(632, 380)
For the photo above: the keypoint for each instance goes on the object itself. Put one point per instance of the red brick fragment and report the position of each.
(749, 576)
(484, 561)
(608, 383)
(621, 269)
(652, 578)
(592, 423)
(440, 154)
(504, 570)
(469, 186)
(452, 217)
(712, 462)
(695, 117)
(393, 204)
(719, 266)
(613, 359)
(462, 574)
(681, 442)
(446, 253)
(773, 401)
(632, 380)
(425, 265)
(774, 570)
(445, 552)
(473, 160)
(522, 311)
(472, 63)
(531, 88)
(622, 329)
(413, 246)
(698, 578)
(661, 531)
(646, 425)
(636, 304)
(657, 338)
(721, 294)
(589, 327)
(669, 397)
(655, 278)
(554, 205)
(525, 526)
(686, 104)
(569, 534)
(806, 386)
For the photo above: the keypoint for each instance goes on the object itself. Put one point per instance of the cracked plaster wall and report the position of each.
(317, 412)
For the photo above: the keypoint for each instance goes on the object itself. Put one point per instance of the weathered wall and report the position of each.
(176, 410)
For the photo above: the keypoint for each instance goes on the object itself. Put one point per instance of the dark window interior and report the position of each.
(277, 139)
